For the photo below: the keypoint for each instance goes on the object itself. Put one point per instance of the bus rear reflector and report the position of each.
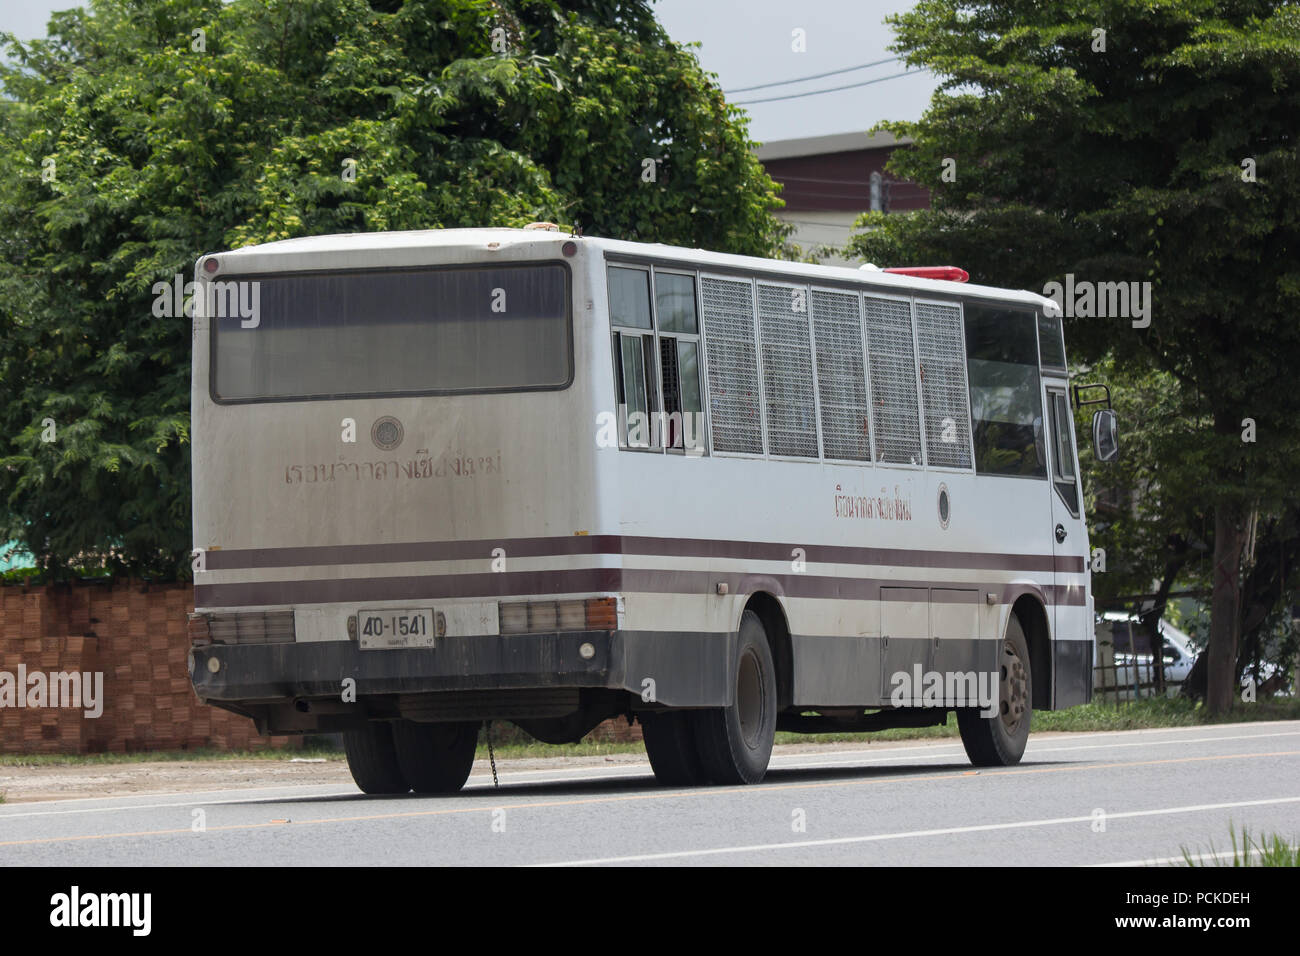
(951, 273)
(540, 617)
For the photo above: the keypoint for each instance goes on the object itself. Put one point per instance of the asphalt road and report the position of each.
(1076, 799)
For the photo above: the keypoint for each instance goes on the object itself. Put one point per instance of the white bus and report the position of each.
(443, 477)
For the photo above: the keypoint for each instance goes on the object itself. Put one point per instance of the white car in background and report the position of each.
(1122, 656)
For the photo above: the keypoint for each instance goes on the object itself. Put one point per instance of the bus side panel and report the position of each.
(833, 671)
(843, 534)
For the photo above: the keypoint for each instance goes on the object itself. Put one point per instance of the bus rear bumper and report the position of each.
(681, 669)
(234, 672)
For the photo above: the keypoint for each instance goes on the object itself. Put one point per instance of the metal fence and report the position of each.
(1129, 679)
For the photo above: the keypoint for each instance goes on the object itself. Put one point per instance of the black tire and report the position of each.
(999, 741)
(373, 759)
(735, 742)
(670, 744)
(435, 758)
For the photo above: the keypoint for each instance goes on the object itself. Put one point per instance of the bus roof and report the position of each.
(411, 240)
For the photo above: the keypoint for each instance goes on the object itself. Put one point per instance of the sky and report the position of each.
(747, 43)
(750, 42)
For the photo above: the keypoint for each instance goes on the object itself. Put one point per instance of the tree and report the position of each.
(1132, 141)
(144, 133)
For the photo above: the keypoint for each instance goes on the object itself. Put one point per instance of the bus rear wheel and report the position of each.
(670, 744)
(435, 758)
(373, 759)
(999, 741)
(735, 742)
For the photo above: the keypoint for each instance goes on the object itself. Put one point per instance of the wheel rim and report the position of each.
(1013, 688)
(749, 698)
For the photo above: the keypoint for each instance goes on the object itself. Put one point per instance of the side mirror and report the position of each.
(1105, 435)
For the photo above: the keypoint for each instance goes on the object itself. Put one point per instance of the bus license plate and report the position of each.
(395, 628)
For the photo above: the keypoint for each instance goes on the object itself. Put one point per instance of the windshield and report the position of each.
(391, 332)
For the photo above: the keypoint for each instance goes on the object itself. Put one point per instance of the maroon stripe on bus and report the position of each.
(521, 584)
(415, 551)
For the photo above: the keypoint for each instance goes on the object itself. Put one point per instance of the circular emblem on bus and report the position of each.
(945, 506)
(386, 433)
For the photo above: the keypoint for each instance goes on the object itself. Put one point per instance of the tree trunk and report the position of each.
(1229, 541)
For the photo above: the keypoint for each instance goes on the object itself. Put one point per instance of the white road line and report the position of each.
(956, 744)
(1203, 727)
(914, 834)
(157, 806)
(1181, 740)
(1091, 735)
(1033, 751)
(183, 793)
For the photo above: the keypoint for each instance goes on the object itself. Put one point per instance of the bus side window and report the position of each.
(636, 388)
(633, 359)
(1063, 468)
(679, 360)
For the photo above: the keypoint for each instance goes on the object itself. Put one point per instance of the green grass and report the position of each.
(1264, 851)
(511, 743)
(1161, 712)
(535, 749)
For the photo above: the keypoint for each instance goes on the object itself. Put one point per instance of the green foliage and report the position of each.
(1149, 503)
(46, 576)
(456, 113)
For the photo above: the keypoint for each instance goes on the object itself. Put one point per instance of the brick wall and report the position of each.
(135, 634)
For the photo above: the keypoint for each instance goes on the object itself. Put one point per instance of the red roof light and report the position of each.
(951, 273)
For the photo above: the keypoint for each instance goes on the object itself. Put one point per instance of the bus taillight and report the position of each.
(533, 617)
(602, 614)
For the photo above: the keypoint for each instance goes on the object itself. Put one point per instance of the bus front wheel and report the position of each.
(999, 741)
(735, 742)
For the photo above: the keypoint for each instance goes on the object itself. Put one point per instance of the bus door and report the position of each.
(1069, 536)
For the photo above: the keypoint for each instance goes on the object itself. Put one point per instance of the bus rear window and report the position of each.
(395, 332)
